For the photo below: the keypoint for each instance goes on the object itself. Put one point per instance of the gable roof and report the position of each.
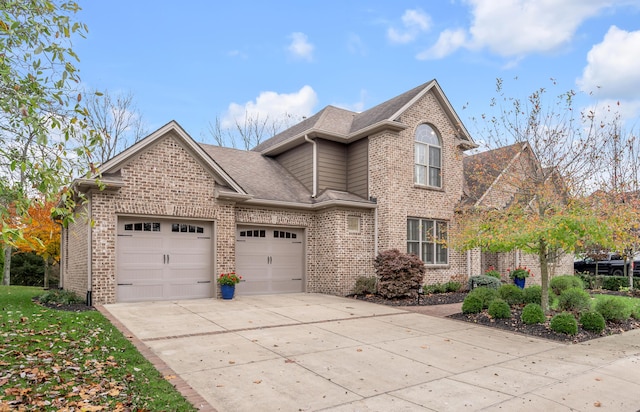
(482, 170)
(113, 165)
(343, 125)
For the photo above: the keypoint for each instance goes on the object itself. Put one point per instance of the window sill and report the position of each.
(437, 266)
(423, 187)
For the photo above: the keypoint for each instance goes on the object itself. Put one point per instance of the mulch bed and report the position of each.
(513, 324)
(70, 307)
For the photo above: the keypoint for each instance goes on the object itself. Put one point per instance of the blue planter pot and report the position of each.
(519, 282)
(227, 291)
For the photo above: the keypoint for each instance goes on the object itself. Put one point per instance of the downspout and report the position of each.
(63, 254)
(89, 244)
(315, 165)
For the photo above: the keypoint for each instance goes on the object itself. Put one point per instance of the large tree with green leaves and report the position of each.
(543, 205)
(43, 137)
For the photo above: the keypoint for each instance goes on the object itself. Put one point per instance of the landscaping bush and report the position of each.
(365, 285)
(559, 284)
(434, 288)
(512, 294)
(588, 280)
(615, 283)
(472, 304)
(612, 309)
(486, 281)
(60, 296)
(592, 321)
(399, 274)
(485, 294)
(574, 299)
(499, 309)
(532, 294)
(533, 313)
(564, 322)
(452, 286)
(492, 272)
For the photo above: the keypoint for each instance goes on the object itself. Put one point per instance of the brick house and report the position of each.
(494, 179)
(307, 210)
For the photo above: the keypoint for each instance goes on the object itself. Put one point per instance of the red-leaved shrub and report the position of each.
(399, 274)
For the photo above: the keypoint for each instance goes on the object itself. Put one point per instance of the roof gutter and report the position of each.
(315, 165)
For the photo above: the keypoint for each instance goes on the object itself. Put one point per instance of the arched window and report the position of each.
(428, 157)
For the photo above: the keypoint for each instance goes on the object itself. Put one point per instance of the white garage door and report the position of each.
(161, 260)
(270, 260)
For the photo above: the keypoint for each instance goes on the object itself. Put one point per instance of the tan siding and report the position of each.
(357, 177)
(332, 165)
(299, 162)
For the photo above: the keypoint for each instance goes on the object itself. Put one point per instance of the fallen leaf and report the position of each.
(169, 377)
(289, 361)
(597, 404)
(258, 381)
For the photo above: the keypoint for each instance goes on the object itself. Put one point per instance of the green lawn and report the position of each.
(52, 360)
(631, 304)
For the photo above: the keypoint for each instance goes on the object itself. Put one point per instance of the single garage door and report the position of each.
(270, 260)
(162, 260)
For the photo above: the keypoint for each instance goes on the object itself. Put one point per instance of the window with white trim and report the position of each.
(427, 239)
(353, 224)
(428, 157)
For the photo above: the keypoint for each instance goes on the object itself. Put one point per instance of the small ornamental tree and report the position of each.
(399, 274)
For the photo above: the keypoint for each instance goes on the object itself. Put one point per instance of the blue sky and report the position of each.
(196, 60)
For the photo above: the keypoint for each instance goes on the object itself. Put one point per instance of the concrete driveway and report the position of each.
(311, 352)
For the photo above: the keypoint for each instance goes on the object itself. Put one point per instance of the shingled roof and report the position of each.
(335, 123)
(482, 169)
(259, 176)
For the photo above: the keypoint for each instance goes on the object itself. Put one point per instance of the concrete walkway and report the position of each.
(310, 352)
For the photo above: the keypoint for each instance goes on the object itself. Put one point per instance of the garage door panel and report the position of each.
(270, 260)
(158, 260)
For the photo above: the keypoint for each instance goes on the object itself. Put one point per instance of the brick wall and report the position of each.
(76, 243)
(391, 171)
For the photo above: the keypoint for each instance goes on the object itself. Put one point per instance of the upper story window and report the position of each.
(428, 157)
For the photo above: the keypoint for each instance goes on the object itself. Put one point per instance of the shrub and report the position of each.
(592, 321)
(60, 296)
(512, 294)
(532, 294)
(452, 286)
(588, 280)
(365, 285)
(533, 313)
(485, 294)
(612, 309)
(486, 281)
(399, 274)
(492, 272)
(472, 304)
(564, 322)
(559, 284)
(499, 309)
(574, 299)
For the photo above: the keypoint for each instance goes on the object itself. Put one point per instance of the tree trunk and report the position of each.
(6, 279)
(544, 274)
(46, 273)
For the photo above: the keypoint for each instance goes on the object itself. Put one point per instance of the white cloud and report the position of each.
(414, 22)
(513, 28)
(355, 45)
(300, 47)
(448, 42)
(272, 105)
(613, 66)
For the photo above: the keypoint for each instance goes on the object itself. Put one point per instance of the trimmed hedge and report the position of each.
(533, 313)
(564, 322)
(559, 284)
(574, 299)
(612, 309)
(592, 321)
(499, 309)
(512, 294)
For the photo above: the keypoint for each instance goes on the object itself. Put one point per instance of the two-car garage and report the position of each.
(161, 259)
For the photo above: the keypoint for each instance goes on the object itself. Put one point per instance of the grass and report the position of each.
(632, 305)
(55, 360)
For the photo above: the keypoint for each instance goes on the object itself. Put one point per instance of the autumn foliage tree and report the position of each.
(41, 235)
(539, 203)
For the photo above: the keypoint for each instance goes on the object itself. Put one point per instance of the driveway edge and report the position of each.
(183, 387)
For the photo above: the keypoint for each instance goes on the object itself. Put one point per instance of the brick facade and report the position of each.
(169, 178)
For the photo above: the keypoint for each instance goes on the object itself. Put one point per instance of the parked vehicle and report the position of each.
(612, 265)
